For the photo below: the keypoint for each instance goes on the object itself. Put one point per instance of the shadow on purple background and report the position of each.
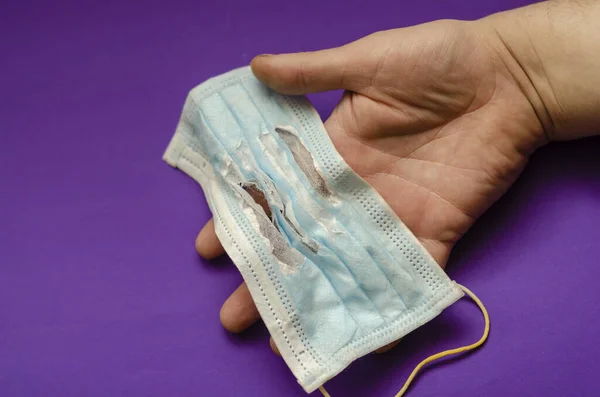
(101, 292)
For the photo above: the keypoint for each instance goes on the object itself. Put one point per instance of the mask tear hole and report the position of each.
(290, 223)
(259, 198)
(304, 159)
(269, 229)
(310, 244)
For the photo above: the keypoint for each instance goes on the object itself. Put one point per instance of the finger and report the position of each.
(306, 72)
(239, 311)
(207, 243)
(389, 347)
(274, 347)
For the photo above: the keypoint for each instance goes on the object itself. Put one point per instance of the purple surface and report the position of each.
(101, 291)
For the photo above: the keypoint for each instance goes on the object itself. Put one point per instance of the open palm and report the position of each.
(431, 118)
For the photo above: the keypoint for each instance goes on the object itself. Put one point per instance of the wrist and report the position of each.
(552, 50)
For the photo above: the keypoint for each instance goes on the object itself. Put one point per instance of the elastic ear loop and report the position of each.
(445, 353)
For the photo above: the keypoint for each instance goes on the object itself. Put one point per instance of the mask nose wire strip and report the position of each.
(446, 353)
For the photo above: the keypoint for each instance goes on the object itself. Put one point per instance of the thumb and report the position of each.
(307, 72)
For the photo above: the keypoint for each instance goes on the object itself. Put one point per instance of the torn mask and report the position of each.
(333, 271)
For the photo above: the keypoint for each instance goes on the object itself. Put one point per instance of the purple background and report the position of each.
(101, 291)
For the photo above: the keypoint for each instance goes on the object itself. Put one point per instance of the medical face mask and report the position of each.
(334, 273)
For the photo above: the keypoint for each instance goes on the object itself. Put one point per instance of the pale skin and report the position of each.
(441, 118)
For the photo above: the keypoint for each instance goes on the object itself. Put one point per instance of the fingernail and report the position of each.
(264, 55)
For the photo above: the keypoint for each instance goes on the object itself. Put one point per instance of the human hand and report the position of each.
(433, 118)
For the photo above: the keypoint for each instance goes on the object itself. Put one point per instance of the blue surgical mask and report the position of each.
(334, 272)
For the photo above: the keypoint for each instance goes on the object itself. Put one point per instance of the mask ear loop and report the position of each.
(446, 353)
